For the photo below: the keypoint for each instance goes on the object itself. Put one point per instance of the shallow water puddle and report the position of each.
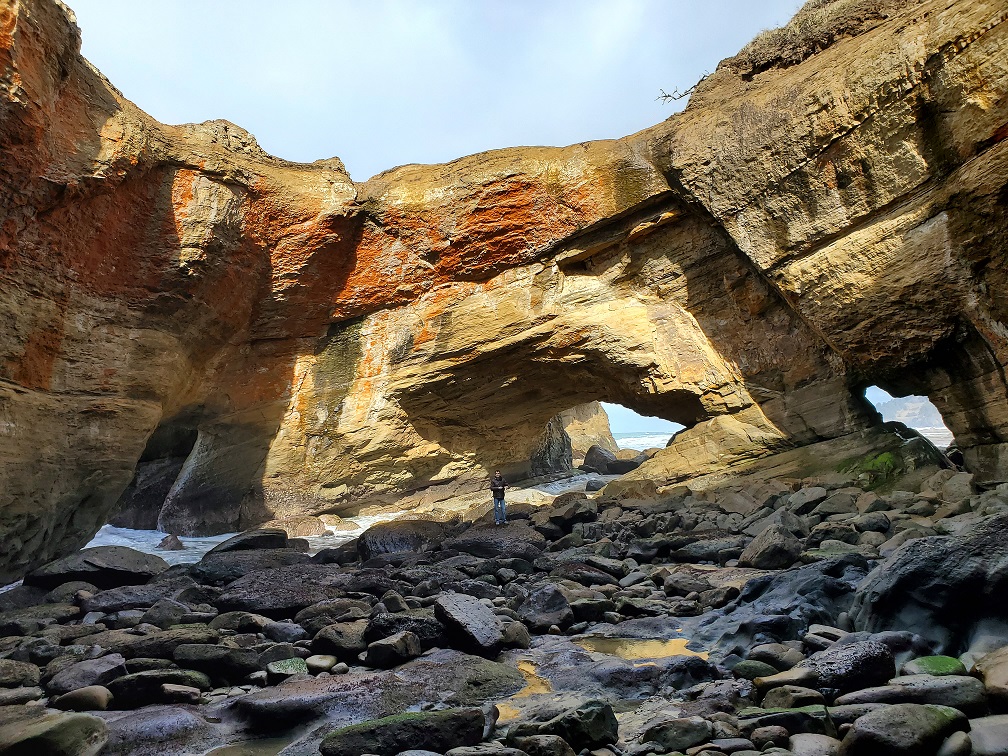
(534, 685)
(634, 649)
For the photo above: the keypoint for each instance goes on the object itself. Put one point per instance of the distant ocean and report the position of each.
(641, 441)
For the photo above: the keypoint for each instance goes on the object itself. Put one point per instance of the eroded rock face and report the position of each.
(304, 343)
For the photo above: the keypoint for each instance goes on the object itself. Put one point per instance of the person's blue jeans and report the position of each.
(500, 511)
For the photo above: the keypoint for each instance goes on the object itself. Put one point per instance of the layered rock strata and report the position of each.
(294, 342)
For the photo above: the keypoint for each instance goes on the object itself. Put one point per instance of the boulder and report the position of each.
(304, 526)
(103, 566)
(436, 731)
(15, 674)
(515, 540)
(143, 688)
(53, 734)
(87, 673)
(260, 538)
(89, 698)
(989, 735)
(544, 607)
(392, 651)
(400, 537)
(219, 662)
(902, 730)
(469, 625)
(774, 548)
(162, 644)
(282, 592)
(225, 567)
(939, 587)
(851, 667)
(597, 459)
(344, 640)
(589, 726)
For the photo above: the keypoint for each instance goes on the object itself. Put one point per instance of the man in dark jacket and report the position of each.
(497, 485)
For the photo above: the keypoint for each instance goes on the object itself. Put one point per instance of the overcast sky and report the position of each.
(379, 83)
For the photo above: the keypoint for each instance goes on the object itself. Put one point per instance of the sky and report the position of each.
(380, 83)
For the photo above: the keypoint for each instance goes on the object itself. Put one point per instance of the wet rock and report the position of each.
(344, 640)
(89, 698)
(852, 667)
(939, 586)
(143, 688)
(808, 744)
(679, 734)
(400, 537)
(239, 622)
(544, 607)
(934, 665)
(279, 670)
(225, 567)
(514, 540)
(421, 622)
(436, 731)
(542, 745)
(86, 673)
(103, 566)
(811, 719)
(53, 734)
(282, 592)
(219, 662)
(989, 735)
(14, 674)
(160, 730)
(590, 725)
(792, 697)
(171, 543)
(750, 669)
(902, 730)
(956, 744)
(774, 548)
(961, 692)
(993, 670)
(162, 644)
(469, 625)
(393, 651)
(261, 538)
(597, 459)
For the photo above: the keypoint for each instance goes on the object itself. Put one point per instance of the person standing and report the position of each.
(497, 486)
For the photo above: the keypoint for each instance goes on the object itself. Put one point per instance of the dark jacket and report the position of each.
(497, 486)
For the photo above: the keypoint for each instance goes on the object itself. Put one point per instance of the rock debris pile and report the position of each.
(780, 617)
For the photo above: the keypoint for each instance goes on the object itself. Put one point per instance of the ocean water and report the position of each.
(147, 540)
(642, 441)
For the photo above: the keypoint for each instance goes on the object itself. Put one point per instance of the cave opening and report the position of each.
(914, 411)
(156, 471)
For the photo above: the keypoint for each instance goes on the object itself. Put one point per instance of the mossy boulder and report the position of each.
(437, 731)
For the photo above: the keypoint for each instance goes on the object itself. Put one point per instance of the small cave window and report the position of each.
(916, 412)
(634, 431)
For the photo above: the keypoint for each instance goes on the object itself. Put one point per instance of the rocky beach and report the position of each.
(277, 394)
(786, 616)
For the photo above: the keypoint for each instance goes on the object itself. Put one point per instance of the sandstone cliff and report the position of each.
(821, 217)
